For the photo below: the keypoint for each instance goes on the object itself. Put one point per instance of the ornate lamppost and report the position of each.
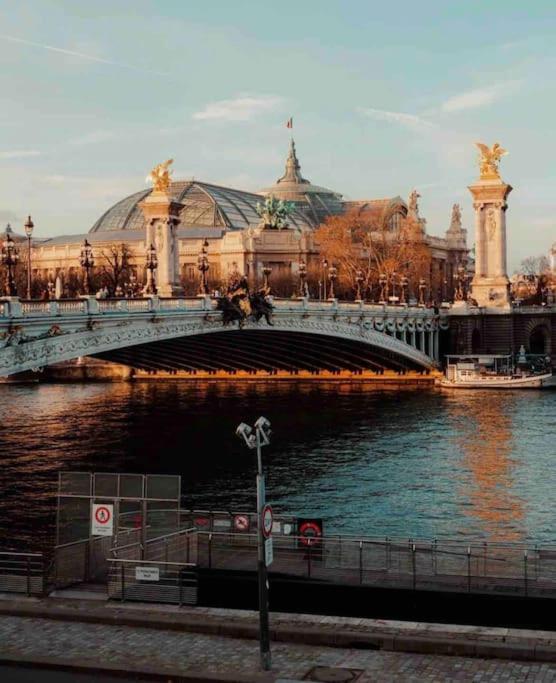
(151, 263)
(359, 278)
(87, 261)
(332, 276)
(404, 282)
(266, 272)
(422, 291)
(322, 283)
(29, 225)
(203, 266)
(394, 298)
(303, 292)
(10, 258)
(383, 282)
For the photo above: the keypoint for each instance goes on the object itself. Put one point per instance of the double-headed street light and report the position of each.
(29, 225)
(87, 261)
(422, 291)
(332, 276)
(257, 437)
(359, 278)
(10, 258)
(383, 282)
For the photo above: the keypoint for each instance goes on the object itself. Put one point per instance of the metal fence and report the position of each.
(437, 565)
(152, 581)
(22, 573)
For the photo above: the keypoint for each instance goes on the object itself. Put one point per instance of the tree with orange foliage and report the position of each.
(359, 243)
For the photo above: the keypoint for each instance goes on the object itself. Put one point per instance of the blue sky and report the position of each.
(385, 97)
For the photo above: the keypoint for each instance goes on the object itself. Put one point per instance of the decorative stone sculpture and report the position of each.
(274, 212)
(161, 176)
(489, 158)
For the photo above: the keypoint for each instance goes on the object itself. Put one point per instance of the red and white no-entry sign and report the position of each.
(267, 519)
(102, 519)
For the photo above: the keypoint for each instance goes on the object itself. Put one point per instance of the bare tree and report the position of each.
(115, 270)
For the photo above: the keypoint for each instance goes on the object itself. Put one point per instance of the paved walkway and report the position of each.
(118, 646)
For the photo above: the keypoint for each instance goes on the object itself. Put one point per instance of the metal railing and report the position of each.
(22, 573)
(437, 565)
(152, 581)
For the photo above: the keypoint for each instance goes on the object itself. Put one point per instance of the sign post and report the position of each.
(102, 519)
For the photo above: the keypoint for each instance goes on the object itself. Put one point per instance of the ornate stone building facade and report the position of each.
(227, 220)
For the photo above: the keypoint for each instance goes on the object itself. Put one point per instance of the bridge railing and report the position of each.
(88, 305)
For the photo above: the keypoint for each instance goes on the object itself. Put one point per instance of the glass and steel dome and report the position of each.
(205, 205)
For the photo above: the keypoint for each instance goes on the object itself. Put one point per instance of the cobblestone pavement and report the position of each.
(120, 645)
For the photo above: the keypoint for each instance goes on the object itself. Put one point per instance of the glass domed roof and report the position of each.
(205, 205)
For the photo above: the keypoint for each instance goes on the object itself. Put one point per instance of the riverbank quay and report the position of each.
(200, 643)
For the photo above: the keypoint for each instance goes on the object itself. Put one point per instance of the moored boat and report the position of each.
(487, 371)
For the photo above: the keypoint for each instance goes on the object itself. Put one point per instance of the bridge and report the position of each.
(187, 334)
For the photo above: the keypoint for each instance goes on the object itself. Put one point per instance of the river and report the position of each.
(420, 463)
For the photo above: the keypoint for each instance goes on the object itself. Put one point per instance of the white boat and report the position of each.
(484, 371)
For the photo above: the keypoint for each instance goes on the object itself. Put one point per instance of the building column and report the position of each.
(162, 218)
(422, 342)
(413, 339)
(436, 355)
(490, 286)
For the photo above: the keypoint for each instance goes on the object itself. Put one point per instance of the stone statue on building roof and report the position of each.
(489, 158)
(412, 204)
(455, 223)
(160, 176)
(274, 212)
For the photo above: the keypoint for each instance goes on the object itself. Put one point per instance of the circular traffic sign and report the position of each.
(241, 522)
(266, 516)
(102, 515)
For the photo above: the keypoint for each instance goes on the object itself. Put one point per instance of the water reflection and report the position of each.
(486, 444)
(417, 463)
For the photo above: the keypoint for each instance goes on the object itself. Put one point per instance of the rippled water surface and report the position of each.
(412, 463)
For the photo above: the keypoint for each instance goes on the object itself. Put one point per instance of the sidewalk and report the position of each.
(200, 643)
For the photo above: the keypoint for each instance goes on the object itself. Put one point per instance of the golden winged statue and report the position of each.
(489, 159)
(160, 176)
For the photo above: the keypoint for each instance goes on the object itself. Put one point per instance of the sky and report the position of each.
(385, 97)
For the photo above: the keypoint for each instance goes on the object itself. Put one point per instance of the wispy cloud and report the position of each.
(80, 55)
(93, 138)
(411, 121)
(242, 108)
(479, 97)
(19, 153)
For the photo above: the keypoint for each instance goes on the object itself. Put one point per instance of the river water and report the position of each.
(418, 463)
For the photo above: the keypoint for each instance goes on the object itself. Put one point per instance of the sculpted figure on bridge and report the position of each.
(161, 176)
(489, 158)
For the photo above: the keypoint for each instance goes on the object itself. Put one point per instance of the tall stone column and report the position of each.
(162, 219)
(490, 285)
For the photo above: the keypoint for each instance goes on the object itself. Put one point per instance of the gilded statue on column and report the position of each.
(489, 158)
(160, 176)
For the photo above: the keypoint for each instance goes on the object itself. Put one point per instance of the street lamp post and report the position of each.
(359, 278)
(302, 279)
(10, 258)
(266, 272)
(87, 261)
(404, 282)
(29, 225)
(258, 437)
(332, 276)
(323, 287)
(383, 282)
(422, 290)
(151, 263)
(203, 266)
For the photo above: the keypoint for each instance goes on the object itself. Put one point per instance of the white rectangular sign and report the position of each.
(147, 573)
(102, 519)
(268, 552)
